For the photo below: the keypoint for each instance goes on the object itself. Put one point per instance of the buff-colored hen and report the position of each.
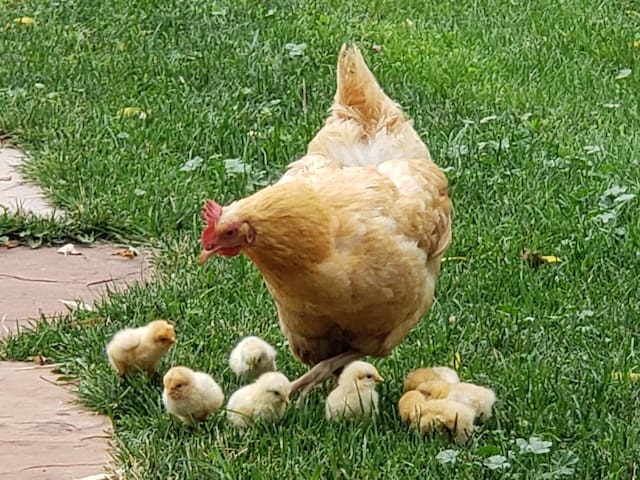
(350, 240)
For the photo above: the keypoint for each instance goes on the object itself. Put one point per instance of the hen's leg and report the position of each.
(322, 371)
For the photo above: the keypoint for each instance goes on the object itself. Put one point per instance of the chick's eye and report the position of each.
(369, 376)
(277, 394)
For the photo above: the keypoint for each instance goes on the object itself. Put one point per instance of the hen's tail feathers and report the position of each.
(359, 97)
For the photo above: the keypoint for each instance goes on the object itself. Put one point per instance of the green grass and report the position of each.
(208, 73)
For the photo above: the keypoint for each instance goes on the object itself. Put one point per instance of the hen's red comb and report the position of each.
(211, 212)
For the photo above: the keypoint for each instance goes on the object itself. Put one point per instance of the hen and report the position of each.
(349, 241)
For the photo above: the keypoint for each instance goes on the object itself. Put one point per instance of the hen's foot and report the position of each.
(321, 372)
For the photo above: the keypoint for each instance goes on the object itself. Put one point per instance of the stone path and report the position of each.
(44, 435)
(15, 192)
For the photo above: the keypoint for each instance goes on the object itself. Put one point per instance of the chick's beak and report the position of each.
(286, 399)
(205, 255)
(378, 378)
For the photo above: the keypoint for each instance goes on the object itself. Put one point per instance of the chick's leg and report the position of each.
(322, 371)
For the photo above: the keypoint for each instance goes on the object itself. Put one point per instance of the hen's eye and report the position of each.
(231, 232)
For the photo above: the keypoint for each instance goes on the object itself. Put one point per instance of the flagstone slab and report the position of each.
(33, 281)
(43, 434)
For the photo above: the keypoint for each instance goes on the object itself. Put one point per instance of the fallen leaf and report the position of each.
(376, 48)
(296, 49)
(24, 20)
(488, 119)
(630, 375)
(40, 360)
(455, 259)
(69, 249)
(624, 73)
(456, 362)
(76, 305)
(6, 243)
(131, 112)
(591, 149)
(87, 322)
(635, 44)
(549, 259)
(586, 314)
(536, 259)
(128, 252)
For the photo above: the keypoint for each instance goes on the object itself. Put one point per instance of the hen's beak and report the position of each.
(205, 255)
(378, 378)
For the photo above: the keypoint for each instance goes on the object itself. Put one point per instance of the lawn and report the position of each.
(134, 112)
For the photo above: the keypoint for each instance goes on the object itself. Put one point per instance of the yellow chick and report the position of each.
(480, 399)
(191, 396)
(410, 407)
(456, 417)
(140, 348)
(420, 375)
(252, 357)
(355, 396)
(265, 399)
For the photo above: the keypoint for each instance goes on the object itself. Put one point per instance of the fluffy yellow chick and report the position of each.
(191, 396)
(252, 357)
(265, 399)
(480, 399)
(140, 348)
(355, 396)
(410, 407)
(456, 417)
(420, 375)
